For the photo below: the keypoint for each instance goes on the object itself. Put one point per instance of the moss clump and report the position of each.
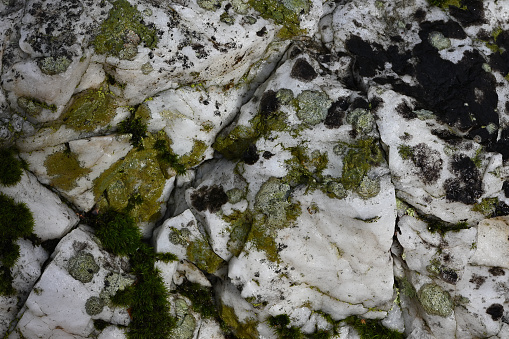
(167, 158)
(305, 169)
(122, 31)
(196, 155)
(405, 152)
(51, 65)
(285, 13)
(486, 207)
(202, 298)
(372, 329)
(280, 325)
(90, 109)
(136, 127)
(16, 222)
(435, 301)
(359, 159)
(436, 225)
(147, 299)
(11, 168)
(64, 168)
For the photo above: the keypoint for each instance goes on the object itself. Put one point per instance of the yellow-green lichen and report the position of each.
(435, 300)
(242, 330)
(90, 109)
(360, 158)
(196, 156)
(138, 173)
(486, 207)
(64, 169)
(122, 31)
(240, 226)
(200, 254)
(305, 167)
(285, 13)
(54, 65)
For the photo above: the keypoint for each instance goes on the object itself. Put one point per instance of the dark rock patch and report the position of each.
(472, 15)
(496, 311)
(267, 155)
(251, 155)
(269, 103)
(335, 114)
(428, 161)
(497, 271)
(478, 280)
(209, 198)
(303, 71)
(405, 111)
(467, 186)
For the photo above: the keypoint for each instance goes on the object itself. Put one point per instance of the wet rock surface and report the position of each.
(265, 168)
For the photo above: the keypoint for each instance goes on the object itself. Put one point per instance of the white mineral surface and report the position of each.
(295, 169)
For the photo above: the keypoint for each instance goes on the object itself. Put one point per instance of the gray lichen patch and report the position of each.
(368, 188)
(209, 5)
(362, 120)
(186, 323)
(94, 305)
(54, 65)
(312, 106)
(272, 200)
(82, 267)
(435, 301)
(439, 41)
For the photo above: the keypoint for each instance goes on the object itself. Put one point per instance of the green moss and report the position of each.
(486, 207)
(446, 3)
(138, 173)
(33, 106)
(405, 152)
(304, 168)
(202, 298)
(64, 169)
(435, 301)
(147, 299)
(122, 31)
(90, 109)
(136, 127)
(436, 225)
(200, 254)
(51, 65)
(285, 13)
(16, 222)
(372, 329)
(359, 159)
(167, 158)
(100, 324)
(11, 168)
(242, 330)
(280, 325)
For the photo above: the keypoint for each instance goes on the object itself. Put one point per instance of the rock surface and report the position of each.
(301, 168)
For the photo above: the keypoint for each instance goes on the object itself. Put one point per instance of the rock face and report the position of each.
(300, 168)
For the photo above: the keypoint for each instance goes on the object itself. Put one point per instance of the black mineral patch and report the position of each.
(505, 187)
(369, 57)
(359, 103)
(303, 71)
(502, 145)
(496, 271)
(251, 155)
(428, 161)
(467, 186)
(267, 155)
(405, 111)
(496, 311)
(478, 280)
(420, 15)
(473, 14)
(209, 198)
(448, 275)
(447, 136)
(335, 114)
(269, 103)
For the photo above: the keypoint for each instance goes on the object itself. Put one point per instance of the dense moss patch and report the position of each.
(372, 329)
(136, 127)
(147, 298)
(285, 13)
(122, 31)
(16, 222)
(11, 168)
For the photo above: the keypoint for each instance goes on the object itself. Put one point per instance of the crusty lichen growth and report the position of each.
(65, 169)
(243, 330)
(312, 106)
(90, 109)
(285, 13)
(360, 158)
(200, 254)
(240, 226)
(82, 267)
(54, 65)
(122, 31)
(33, 106)
(435, 300)
(486, 207)
(196, 156)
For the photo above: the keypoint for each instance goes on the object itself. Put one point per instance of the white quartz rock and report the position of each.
(52, 218)
(492, 243)
(60, 303)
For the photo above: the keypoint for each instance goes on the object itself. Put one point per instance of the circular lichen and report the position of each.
(146, 68)
(82, 267)
(94, 305)
(336, 190)
(368, 188)
(51, 65)
(362, 120)
(312, 106)
(235, 195)
(439, 41)
(285, 96)
(435, 301)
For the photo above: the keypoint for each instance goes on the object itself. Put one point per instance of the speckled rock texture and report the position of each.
(296, 168)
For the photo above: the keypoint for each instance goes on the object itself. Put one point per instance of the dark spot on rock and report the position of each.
(447, 136)
(448, 275)
(501, 209)
(428, 161)
(267, 155)
(502, 145)
(251, 155)
(269, 103)
(211, 198)
(405, 111)
(505, 187)
(294, 52)
(478, 280)
(303, 71)
(369, 57)
(335, 115)
(472, 15)
(375, 104)
(360, 103)
(496, 311)
(420, 14)
(262, 31)
(496, 271)
(467, 186)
